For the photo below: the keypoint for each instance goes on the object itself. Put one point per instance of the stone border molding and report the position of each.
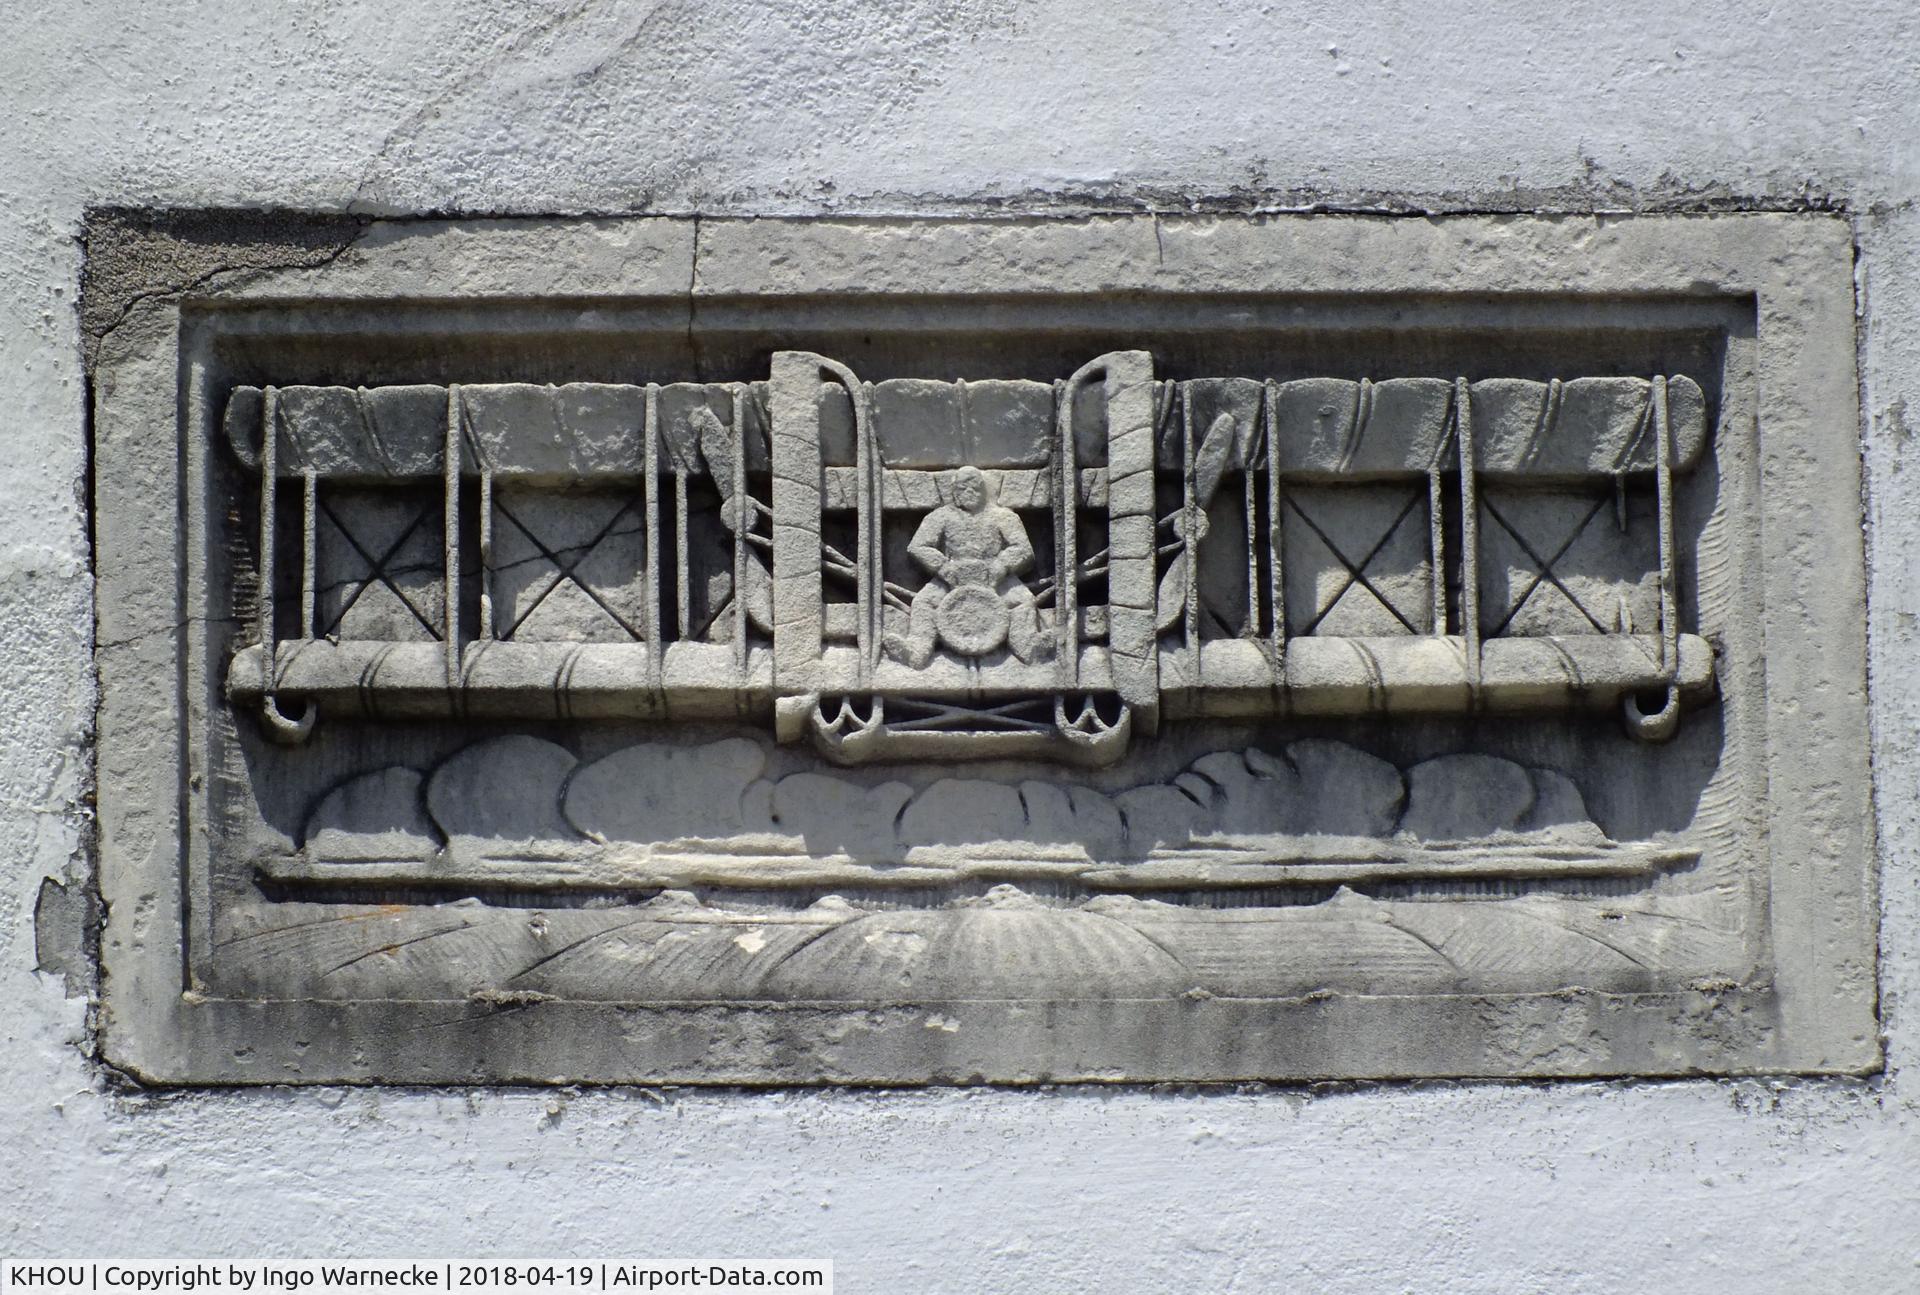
(1129, 649)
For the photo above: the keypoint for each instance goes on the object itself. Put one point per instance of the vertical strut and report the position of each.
(870, 523)
(1277, 590)
(1252, 510)
(1663, 483)
(864, 557)
(450, 611)
(1190, 539)
(650, 532)
(1066, 481)
(683, 612)
(1437, 547)
(1469, 532)
(269, 481)
(486, 551)
(877, 625)
(742, 519)
(309, 503)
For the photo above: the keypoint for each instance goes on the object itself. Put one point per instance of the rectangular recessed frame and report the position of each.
(1769, 969)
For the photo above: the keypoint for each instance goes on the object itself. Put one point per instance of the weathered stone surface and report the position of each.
(558, 678)
(1460, 797)
(998, 950)
(960, 811)
(1557, 806)
(1336, 790)
(659, 793)
(568, 567)
(1319, 810)
(502, 796)
(379, 815)
(834, 816)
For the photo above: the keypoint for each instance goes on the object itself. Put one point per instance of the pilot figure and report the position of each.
(973, 550)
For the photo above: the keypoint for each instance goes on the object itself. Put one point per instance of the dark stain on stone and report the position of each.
(132, 255)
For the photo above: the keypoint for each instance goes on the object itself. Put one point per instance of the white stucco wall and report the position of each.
(923, 105)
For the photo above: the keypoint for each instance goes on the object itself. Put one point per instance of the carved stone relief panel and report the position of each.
(950, 651)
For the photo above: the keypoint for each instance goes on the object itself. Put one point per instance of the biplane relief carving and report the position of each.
(873, 573)
(878, 567)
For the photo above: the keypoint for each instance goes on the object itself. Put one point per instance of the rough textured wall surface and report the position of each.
(930, 106)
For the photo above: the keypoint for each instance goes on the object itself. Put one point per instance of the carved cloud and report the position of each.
(525, 797)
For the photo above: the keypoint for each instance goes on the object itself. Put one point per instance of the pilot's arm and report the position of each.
(1016, 553)
(928, 546)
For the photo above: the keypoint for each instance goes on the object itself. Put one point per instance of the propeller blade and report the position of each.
(680, 437)
(759, 590)
(1211, 459)
(1173, 594)
(716, 447)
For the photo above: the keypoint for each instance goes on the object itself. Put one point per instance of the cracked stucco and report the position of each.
(133, 256)
(354, 107)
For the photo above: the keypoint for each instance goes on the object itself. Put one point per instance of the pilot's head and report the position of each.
(970, 489)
